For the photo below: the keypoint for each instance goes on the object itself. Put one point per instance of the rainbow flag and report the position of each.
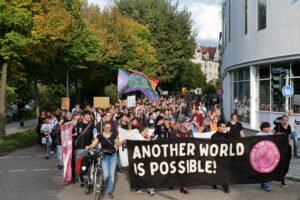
(131, 80)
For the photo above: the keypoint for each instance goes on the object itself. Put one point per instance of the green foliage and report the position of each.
(18, 140)
(192, 76)
(11, 95)
(111, 91)
(172, 35)
(209, 89)
(41, 39)
(50, 96)
(15, 26)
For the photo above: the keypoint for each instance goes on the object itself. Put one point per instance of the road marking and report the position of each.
(25, 156)
(10, 157)
(18, 170)
(41, 169)
(5, 157)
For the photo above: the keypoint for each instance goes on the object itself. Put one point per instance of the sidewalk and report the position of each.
(294, 171)
(13, 128)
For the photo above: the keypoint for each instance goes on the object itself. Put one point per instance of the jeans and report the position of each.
(59, 155)
(295, 143)
(47, 146)
(265, 185)
(79, 152)
(109, 163)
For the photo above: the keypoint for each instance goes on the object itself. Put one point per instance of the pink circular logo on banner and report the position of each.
(264, 156)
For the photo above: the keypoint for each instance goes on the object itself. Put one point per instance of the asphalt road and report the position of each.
(26, 175)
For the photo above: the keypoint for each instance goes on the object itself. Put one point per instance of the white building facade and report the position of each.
(208, 57)
(260, 54)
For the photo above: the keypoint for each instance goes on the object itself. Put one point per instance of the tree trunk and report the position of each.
(77, 92)
(2, 100)
(37, 99)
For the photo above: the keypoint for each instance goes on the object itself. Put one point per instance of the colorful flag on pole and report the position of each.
(66, 148)
(131, 80)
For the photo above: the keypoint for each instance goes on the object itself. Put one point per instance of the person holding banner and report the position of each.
(265, 129)
(109, 141)
(56, 132)
(185, 130)
(221, 134)
(235, 128)
(284, 128)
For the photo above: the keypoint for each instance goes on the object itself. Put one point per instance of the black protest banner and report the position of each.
(191, 161)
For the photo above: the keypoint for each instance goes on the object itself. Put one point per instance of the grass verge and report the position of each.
(18, 140)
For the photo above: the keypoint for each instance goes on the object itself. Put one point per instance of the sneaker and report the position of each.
(184, 190)
(227, 190)
(47, 157)
(110, 195)
(284, 185)
(52, 152)
(138, 191)
(151, 192)
(268, 189)
(214, 187)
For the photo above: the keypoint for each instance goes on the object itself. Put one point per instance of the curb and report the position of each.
(293, 178)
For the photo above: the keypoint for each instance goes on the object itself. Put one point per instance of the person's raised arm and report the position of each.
(119, 143)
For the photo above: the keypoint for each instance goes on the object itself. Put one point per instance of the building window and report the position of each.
(246, 16)
(241, 93)
(264, 88)
(262, 14)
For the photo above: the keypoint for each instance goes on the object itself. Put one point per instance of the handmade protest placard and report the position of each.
(101, 102)
(131, 101)
(65, 103)
(191, 161)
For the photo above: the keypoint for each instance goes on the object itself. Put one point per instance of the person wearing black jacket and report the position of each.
(82, 137)
(160, 129)
(56, 132)
(284, 128)
(221, 134)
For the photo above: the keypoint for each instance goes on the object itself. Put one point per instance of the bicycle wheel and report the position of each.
(86, 187)
(98, 184)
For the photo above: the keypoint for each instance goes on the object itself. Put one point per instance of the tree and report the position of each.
(192, 77)
(172, 35)
(111, 91)
(126, 44)
(15, 27)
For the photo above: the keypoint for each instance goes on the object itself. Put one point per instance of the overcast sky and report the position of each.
(205, 14)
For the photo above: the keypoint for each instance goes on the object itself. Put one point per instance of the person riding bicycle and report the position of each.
(109, 141)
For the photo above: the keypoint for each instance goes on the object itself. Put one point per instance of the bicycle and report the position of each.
(93, 179)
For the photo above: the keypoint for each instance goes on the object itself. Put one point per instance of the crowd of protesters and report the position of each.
(175, 116)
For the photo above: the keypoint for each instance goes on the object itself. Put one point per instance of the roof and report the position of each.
(211, 51)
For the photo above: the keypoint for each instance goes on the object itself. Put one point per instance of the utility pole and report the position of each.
(67, 82)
